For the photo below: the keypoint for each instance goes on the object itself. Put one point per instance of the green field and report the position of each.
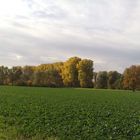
(68, 114)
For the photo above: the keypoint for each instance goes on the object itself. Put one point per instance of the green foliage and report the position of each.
(114, 79)
(102, 79)
(68, 114)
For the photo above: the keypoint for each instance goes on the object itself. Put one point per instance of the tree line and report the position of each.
(130, 79)
(75, 72)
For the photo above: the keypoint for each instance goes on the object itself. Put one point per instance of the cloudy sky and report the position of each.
(44, 31)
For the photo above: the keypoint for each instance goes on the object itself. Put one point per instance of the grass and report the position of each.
(68, 114)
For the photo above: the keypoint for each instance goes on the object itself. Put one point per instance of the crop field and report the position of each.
(32, 113)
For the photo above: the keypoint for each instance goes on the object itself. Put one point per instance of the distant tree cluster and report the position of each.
(108, 80)
(130, 79)
(75, 72)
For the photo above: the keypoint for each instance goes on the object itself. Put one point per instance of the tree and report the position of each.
(138, 77)
(131, 78)
(85, 73)
(6, 77)
(27, 75)
(1, 75)
(16, 73)
(70, 72)
(114, 80)
(102, 79)
(39, 78)
(52, 75)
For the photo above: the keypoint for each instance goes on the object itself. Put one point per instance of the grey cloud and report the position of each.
(20, 25)
(48, 10)
(50, 15)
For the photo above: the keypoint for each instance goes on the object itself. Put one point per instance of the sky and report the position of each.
(33, 32)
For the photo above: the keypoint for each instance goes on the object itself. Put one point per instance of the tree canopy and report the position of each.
(75, 72)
